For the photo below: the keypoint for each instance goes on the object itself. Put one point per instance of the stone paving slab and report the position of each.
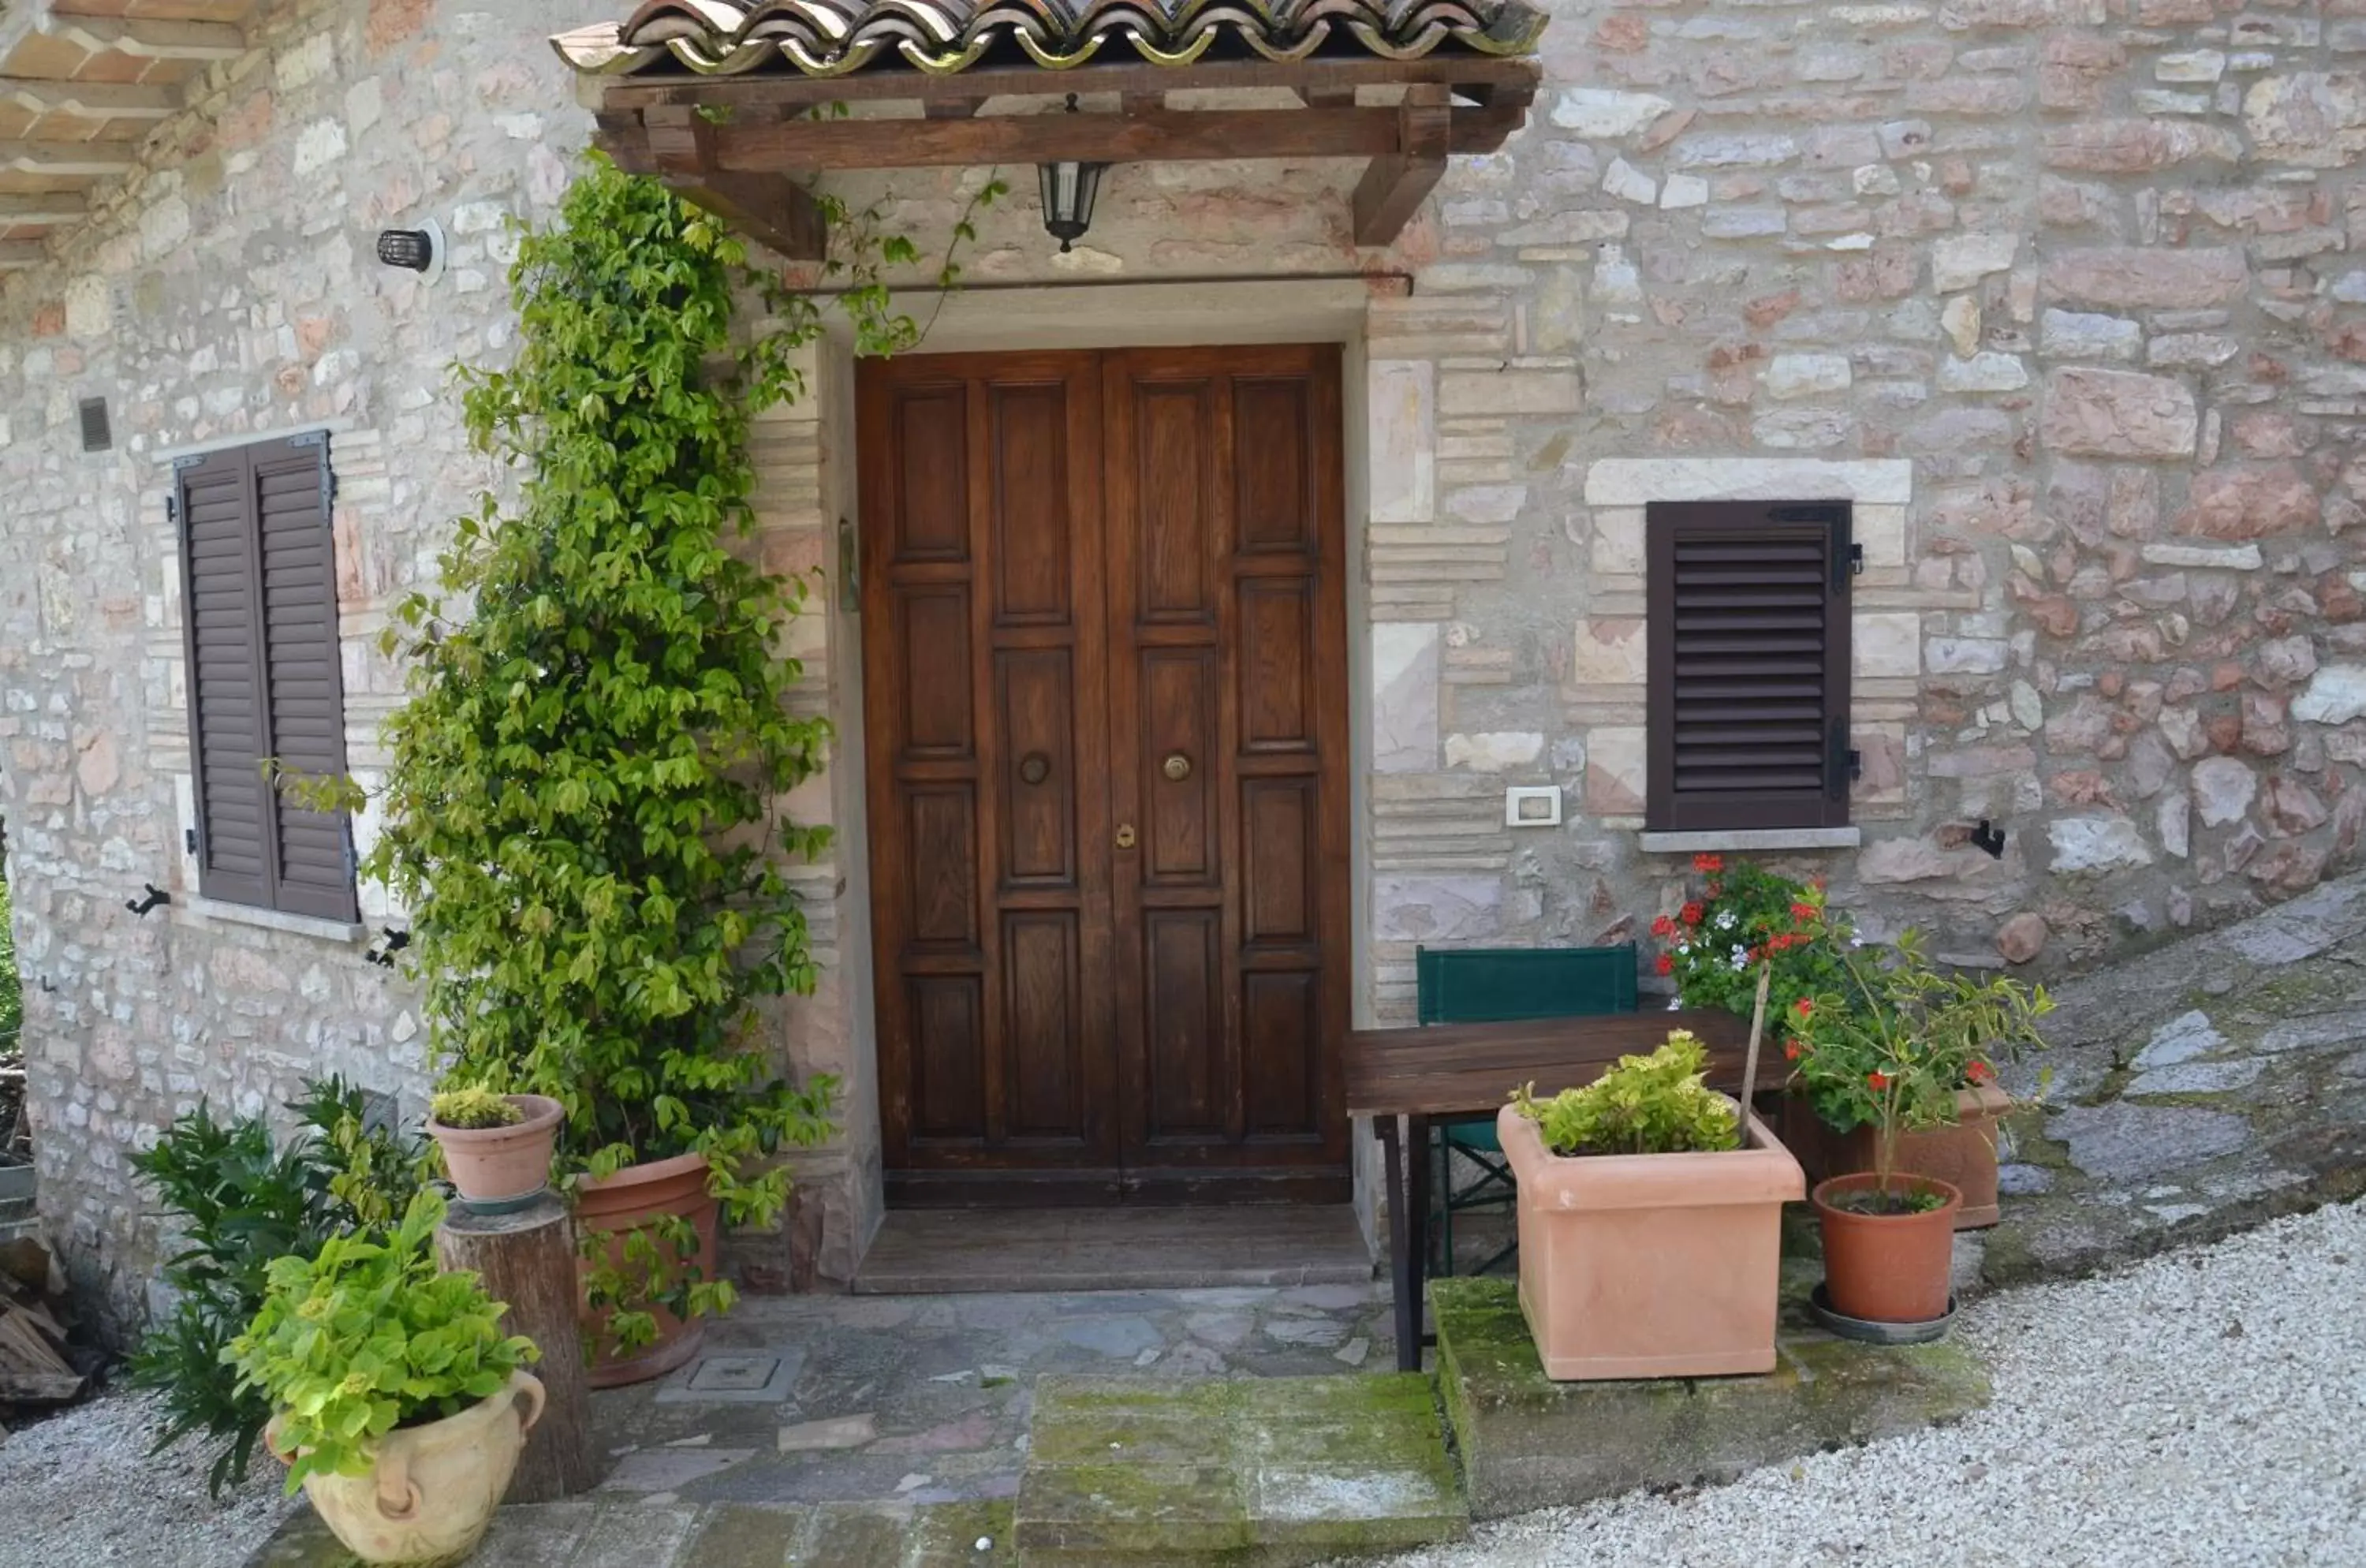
(1528, 1442)
(2196, 1090)
(1251, 1471)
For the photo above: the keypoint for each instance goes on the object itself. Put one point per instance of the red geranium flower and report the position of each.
(1978, 1071)
(1693, 913)
(1877, 1081)
(1790, 1050)
(1805, 1007)
(1802, 911)
(1706, 864)
(1667, 964)
(1664, 927)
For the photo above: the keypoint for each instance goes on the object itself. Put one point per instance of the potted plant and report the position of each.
(1650, 1233)
(401, 1408)
(497, 1147)
(584, 808)
(1747, 915)
(1890, 1057)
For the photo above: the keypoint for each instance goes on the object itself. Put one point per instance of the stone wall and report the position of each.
(229, 290)
(2057, 288)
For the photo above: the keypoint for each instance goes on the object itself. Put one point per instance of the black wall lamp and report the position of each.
(1069, 193)
(420, 250)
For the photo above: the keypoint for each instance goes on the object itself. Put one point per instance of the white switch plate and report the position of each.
(1532, 805)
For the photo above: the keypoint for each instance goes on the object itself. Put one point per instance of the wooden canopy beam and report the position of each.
(43, 207)
(89, 100)
(1470, 76)
(145, 39)
(67, 159)
(1395, 184)
(684, 143)
(769, 208)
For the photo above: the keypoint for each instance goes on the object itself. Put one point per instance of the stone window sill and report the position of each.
(1750, 840)
(200, 910)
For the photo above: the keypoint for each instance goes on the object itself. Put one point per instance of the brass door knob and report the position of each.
(1177, 767)
(1125, 836)
(1035, 767)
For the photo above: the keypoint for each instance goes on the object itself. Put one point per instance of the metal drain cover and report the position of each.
(738, 1377)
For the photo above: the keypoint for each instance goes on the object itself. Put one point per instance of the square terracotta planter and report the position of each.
(1650, 1266)
(1962, 1156)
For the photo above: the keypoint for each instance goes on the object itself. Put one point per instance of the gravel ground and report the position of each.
(79, 1490)
(2203, 1407)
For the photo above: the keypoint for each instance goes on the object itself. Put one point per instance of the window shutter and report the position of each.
(305, 678)
(222, 631)
(1748, 664)
(266, 681)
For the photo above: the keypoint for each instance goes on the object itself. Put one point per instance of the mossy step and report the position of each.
(1249, 1470)
(1528, 1442)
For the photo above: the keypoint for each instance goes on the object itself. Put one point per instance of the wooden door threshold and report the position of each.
(931, 1251)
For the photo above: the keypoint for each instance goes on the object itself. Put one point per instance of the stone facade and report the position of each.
(2058, 291)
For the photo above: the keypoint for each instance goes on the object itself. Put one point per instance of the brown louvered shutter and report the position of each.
(222, 626)
(1748, 664)
(265, 679)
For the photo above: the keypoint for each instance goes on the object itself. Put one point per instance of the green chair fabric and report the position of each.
(1495, 984)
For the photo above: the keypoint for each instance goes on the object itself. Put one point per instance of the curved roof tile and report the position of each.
(833, 38)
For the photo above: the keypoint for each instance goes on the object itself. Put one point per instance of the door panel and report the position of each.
(1105, 647)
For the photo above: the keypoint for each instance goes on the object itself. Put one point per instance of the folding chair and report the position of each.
(1492, 984)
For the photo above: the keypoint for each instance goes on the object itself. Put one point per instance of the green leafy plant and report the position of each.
(238, 1197)
(473, 1107)
(583, 807)
(1747, 916)
(367, 1336)
(1657, 1104)
(1891, 1049)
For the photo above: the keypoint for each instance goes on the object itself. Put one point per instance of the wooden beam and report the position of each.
(1396, 183)
(770, 209)
(43, 207)
(91, 100)
(144, 38)
(66, 160)
(1161, 136)
(950, 108)
(1134, 105)
(17, 254)
(1463, 72)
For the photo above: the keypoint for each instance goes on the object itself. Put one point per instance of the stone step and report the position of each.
(1248, 1470)
(1528, 1442)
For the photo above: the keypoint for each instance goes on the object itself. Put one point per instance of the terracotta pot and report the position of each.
(502, 1165)
(1887, 1268)
(1964, 1154)
(619, 1205)
(1649, 1266)
(430, 1495)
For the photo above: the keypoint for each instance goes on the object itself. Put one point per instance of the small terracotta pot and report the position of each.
(499, 1165)
(1887, 1268)
(1963, 1154)
(430, 1493)
(619, 1205)
(1650, 1266)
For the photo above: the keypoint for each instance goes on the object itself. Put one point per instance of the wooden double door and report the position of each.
(1105, 710)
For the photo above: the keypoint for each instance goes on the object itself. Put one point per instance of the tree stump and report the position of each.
(527, 1259)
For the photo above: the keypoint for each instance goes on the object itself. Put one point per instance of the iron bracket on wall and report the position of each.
(155, 895)
(395, 942)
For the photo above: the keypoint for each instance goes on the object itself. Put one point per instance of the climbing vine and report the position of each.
(582, 810)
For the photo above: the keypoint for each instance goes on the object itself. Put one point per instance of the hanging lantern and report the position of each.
(1069, 193)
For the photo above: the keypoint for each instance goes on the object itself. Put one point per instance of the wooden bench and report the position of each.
(1466, 1069)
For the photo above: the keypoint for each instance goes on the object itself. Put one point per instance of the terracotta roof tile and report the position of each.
(833, 38)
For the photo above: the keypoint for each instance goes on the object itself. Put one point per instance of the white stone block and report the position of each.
(1886, 643)
(1631, 482)
(1599, 111)
(2096, 843)
(1958, 261)
(1404, 430)
(1807, 375)
(1619, 540)
(1683, 190)
(1495, 751)
(1404, 696)
(1627, 183)
(1983, 373)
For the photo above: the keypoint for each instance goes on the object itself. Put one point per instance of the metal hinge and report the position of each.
(189, 838)
(1856, 560)
(1841, 762)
